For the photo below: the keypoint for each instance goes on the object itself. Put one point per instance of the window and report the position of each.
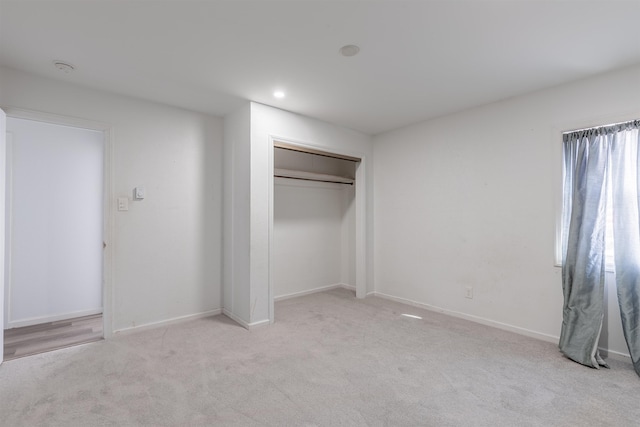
(625, 178)
(600, 229)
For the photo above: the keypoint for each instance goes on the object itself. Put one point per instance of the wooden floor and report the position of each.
(28, 340)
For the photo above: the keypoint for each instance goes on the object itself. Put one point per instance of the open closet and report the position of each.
(314, 220)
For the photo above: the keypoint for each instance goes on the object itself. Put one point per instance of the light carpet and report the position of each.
(328, 360)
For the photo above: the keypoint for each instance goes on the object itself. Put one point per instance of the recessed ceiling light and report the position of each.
(278, 94)
(63, 66)
(349, 50)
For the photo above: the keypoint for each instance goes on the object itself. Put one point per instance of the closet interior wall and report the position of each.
(313, 224)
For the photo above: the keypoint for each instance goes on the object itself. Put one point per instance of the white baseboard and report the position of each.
(313, 291)
(347, 286)
(487, 322)
(239, 321)
(608, 353)
(46, 319)
(250, 326)
(253, 325)
(477, 319)
(235, 318)
(179, 319)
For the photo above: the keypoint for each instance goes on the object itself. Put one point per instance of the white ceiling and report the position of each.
(418, 59)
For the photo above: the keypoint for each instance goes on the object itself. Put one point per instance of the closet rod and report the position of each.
(310, 176)
(311, 179)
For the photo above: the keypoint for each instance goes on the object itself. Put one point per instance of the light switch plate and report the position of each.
(123, 203)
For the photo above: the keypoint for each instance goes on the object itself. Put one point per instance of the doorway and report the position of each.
(313, 221)
(54, 221)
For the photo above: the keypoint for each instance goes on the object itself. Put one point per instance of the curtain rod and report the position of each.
(601, 126)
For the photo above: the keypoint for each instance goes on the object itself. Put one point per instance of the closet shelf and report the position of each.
(310, 176)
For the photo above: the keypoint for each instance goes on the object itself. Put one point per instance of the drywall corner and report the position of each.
(235, 236)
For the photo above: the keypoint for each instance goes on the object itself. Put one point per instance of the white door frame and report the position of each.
(3, 130)
(360, 214)
(108, 217)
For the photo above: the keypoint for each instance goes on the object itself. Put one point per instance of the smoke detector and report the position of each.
(63, 66)
(349, 50)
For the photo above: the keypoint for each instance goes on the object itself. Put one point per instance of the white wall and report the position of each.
(55, 231)
(268, 123)
(166, 248)
(237, 173)
(309, 219)
(471, 199)
(348, 272)
(3, 124)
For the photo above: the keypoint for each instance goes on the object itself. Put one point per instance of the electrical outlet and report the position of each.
(468, 292)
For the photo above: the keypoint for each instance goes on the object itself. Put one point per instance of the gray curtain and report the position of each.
(625, 185)
(599, 161)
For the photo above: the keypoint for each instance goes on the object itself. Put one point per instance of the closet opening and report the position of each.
(314, 237)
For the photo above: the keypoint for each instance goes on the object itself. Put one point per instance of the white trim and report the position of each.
(347, 231)
(270, 209)
(476, 319)
(56, 119)
(248, 326)
(108, 176)
(3, 133)
(558, 184)
(8, 222)
(608, 353)
(46, 319)
(488, 322)
(361, 228)
(360, 213)
(107, 235)
(167, 322)
(348, 287)
(312, 291)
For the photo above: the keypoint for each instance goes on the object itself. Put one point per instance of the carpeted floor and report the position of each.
(329, 360)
